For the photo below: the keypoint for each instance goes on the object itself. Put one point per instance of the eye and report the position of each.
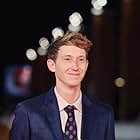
(67, 58)
(82, 59)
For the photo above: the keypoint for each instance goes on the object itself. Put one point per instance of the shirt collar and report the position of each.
(63, 103)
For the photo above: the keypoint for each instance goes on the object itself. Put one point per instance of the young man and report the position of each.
(45, 117)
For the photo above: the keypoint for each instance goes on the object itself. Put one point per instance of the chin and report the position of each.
(74, 84)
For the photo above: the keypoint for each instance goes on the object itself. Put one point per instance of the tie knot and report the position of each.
(69, 109)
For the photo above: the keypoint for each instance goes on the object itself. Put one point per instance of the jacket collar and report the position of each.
(53, 115)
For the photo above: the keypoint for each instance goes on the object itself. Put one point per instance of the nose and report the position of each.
(75, 65)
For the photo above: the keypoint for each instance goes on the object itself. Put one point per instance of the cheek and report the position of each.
(60, 70)
(84, 68)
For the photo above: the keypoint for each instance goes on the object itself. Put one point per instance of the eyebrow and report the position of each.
(72, 56)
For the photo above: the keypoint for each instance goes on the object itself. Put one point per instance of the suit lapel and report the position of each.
(53, 116)
(84, 135)
(88, 118)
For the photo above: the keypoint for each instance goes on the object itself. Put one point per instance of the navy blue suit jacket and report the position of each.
(39, 119)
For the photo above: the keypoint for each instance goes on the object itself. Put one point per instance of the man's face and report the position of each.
(70, 66)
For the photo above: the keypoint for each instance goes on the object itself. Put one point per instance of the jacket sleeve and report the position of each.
(20, 125)
(110, 133)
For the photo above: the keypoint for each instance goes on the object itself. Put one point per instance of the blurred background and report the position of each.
(114, 71)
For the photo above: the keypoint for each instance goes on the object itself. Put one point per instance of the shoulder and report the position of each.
(102, 107)
(98, 107)
(102, 110)
(34, 103)
(30, 105)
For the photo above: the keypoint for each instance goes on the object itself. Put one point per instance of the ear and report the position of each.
(87, 64)
(51, 65)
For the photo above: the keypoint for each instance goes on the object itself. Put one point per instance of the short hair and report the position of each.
(70, 38)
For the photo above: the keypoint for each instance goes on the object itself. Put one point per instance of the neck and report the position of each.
(70, 94)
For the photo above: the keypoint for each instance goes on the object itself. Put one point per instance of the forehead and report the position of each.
(71, 50)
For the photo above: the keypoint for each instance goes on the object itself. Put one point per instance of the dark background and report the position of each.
(116, 52)
(23, 23)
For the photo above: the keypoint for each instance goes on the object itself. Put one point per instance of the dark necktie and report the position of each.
(70, 127)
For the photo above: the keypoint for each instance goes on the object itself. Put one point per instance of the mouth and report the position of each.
(74, 74)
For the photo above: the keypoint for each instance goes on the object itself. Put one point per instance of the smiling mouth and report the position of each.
(74, 74)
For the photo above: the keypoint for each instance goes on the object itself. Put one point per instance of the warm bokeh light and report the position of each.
(75, 19)
(56, 32)
(41, 51)
(96, 12)
(97, 8)
(119, 82)
(31, 54)
(74, 28)
(44, 43)
(102, 2)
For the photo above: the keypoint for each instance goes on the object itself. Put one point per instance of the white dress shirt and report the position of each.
(63, 115)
